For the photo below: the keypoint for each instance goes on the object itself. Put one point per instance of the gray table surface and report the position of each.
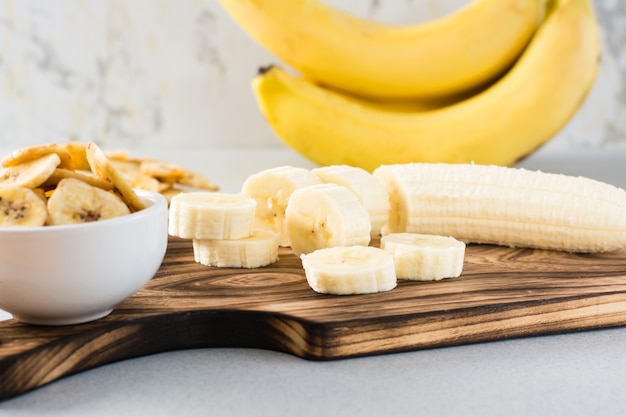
(575, 374)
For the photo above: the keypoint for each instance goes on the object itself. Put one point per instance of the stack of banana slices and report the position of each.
(488, 84)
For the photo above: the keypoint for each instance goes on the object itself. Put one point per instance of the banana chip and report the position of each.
(160, 176)
(79, 156)
(20, 206)
(75, 201)
(89, 178)
(30, 173)
(103, 168)
(51, 184)
(33, 152)
(162, 171)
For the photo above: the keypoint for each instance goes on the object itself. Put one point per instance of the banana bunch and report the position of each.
(489, 84)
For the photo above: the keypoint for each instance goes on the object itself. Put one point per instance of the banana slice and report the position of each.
(196, 180)
(102, 166)
(163, 171)
(258, 250)
(325, 215)
(29, 153)
(41, 193)
(77, 150)
(146, 182)
(21, 206)
(209, 215)
(271, 189)
(370, 192)
(90, 179)
(170, 193)
(349, 270)
(31, 173)
(421, 257)
(75, 201)
(129, 169)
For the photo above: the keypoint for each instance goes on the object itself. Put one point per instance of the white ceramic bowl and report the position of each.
(58, 275)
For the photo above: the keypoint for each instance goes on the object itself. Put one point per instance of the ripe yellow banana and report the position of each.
(500, 125)
(433, 59)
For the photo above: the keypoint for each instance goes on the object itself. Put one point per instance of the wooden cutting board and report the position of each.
(503, 293)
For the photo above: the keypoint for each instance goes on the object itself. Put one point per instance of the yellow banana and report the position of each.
(500, 125)
(443, 57)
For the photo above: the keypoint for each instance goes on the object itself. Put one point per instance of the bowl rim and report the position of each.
(153, 199)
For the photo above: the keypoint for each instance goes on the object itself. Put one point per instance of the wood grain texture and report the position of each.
(503, 293)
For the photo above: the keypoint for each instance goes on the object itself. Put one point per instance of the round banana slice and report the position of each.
(30, 153)
(21, 206)
(210, 215)
(146, 182)
(349, 270)
(170, 193)
(258, 250)
(129, 169)
(30, 174)
(195, 180)
(271, 189)
(323, 216)
(102, 166)
(79, 155)
(75, 201)
(370, 192)
(90, 179)
(163, 171)
(422, 257)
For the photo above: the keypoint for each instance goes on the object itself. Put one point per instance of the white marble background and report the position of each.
(135, 73)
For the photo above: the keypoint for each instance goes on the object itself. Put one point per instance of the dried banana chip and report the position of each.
(89, 178)
(103, 167)
(31, 173)
(78, 152)
(21, 206)
(30, 153)
(75, 201)
(163, 171)
(195, 180)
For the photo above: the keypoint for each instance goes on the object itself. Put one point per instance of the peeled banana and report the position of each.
(455, 53)
(505, 206)
(500, 125)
